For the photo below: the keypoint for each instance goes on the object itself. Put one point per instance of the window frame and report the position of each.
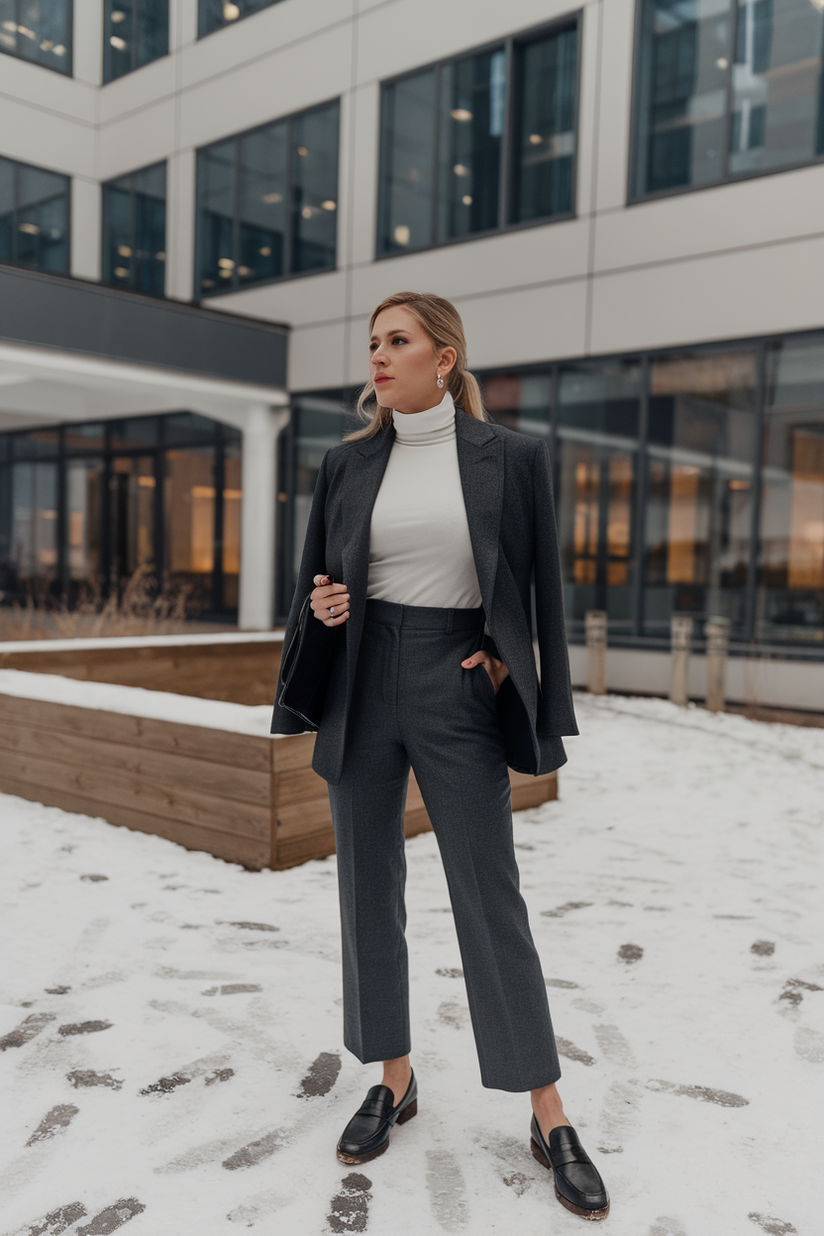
(69, 45)
(104, 223)
(59, 274)
(728, 178)
(106, 54)
(198, 295)
(510, 43)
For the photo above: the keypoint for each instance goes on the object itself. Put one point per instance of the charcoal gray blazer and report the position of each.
(507, 489)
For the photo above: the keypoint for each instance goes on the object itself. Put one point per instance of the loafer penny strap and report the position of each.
(568, 1154)
(378, 1102)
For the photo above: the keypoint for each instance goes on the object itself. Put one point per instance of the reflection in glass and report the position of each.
(134, 230)
(544, 154)
(34, 216)
(232, 497)
(520, 401)
(598, 415)
(776, 84)
(408, 144)
(132, 516)
(214, 14)
(189, 520)
(33, 540)
(39, 31)
(472, 92)
(699, 473)
(84, 495)
(135, 32)
(267, 201)
(791, 571)
(134, 431)
(682, 92)
(320, 422)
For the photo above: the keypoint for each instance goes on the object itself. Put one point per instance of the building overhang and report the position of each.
(77, 351)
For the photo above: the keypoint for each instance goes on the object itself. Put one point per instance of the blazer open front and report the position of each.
(507, 489)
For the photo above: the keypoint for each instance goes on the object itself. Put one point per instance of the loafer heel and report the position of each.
(408, 1112)
(537, 1153)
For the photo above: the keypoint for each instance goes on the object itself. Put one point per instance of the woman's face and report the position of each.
(403, 363)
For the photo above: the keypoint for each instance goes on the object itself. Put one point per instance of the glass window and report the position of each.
(699, 488)
(232, 497)
(39, 31)
(37, 444)
(33, 540)
(134, 230)
(444, 143)
(135, 432)
(214, 14)
(132, 517)
(726, 89)
(189, 510)
(135, 32)
(598, 416)
(34, 216)
(267, 202)
(79, 439)
(544, 142)
(790, 596)
(187, 428)
(84, 520)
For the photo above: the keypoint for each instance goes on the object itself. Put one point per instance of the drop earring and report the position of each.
(440, 382)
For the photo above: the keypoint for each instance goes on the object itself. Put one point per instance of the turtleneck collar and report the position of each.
(426, 428)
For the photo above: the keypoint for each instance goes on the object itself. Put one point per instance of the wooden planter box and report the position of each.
(250, 799)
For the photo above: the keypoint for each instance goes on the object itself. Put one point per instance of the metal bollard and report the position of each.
(717, 632)
(596, 632)
(681, 640)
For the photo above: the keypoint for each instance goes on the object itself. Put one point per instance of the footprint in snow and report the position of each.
(56, 1221)
(84, 1027)
(321, 1076)
(113, 1217)
(59, 1117)
(774, 1227)
(445, 1185)
(664, 1226)
(614, 1046)
(26, 1031)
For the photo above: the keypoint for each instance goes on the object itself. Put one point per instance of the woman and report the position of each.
(426, 529)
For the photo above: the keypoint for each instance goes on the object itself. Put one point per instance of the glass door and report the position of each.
(132, 518)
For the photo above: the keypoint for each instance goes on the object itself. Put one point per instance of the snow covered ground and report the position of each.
(170, 1023)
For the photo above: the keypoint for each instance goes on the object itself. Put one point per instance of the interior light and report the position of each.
(302, 151)
(28, 33)
(207, 283)
(160, 257)
(46, 45)
(146, 482)
(265, 251)
(414, 175)
(7, 39)
(121, 272)
(10, 25)
(401, 234)
(460, 113)
(226, 263)
(118, 15)
(59, 50)
(739, 484)
(117, 43)
(124, 251)
(307, 212)
(329, 204)
(535, 139)
(31, 229)
(722, 62)
(243, 271)
(466, 199)
(231, 12)
(272, 198)
(460, 170)
(224, 273)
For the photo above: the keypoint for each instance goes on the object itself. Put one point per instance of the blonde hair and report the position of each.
(442, 323)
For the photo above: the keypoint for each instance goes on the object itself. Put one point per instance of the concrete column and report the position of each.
(596, 633)
(259, 512)
(85, 229)
(681, 630)
(180, 226)
(87, 35)
(717, 632)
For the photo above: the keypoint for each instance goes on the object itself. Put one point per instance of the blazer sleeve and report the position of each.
(556, 715)
(312, 563)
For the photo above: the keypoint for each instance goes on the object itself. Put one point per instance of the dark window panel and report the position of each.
(408, 143)
(544, 139)
(134, 230)
(215, 14)
(34, 217)
(188, 428)
(137, 431)
(135, 32)
(682, 93)
(39, 31)
(267, 202)
(472, 94)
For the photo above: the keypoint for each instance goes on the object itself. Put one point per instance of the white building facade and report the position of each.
(622, 197)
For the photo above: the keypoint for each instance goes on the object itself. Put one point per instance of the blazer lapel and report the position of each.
(480, 461)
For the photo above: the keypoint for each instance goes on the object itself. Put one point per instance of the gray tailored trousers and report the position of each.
(415, 705)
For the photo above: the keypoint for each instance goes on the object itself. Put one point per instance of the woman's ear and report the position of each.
(446, 359)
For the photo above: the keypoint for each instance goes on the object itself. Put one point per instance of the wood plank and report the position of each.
(222, 780)
(292, 751)
(303, 850)
(221, 746)
(295, 818)
(248, 851)
(298, 785)
(534, 791)
(170, 801)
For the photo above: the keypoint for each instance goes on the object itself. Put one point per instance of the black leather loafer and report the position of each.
(367, 1133)
(578, 1183)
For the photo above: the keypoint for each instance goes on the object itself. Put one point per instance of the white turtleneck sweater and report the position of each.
(419, 547)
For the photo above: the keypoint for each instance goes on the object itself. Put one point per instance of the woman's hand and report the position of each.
(496, 669)
(330, 602)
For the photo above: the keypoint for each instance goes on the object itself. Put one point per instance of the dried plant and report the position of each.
(137, 609)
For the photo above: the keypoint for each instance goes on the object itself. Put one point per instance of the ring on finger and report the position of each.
(331, 609)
